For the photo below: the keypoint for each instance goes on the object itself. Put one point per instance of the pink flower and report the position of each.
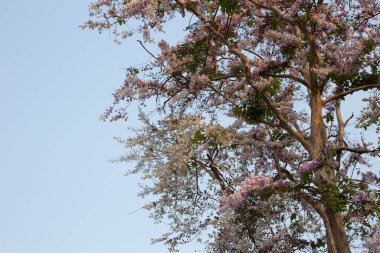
(250, 184)
(360, 196)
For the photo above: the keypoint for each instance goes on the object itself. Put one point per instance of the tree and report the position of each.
(288, 172)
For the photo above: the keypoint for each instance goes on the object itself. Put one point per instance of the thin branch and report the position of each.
(254, 53)
(294, 78)
(225, 77)
(220, 94)
(346, 122)
(275, 10)
(215, 174)
(343, 94)
(286, 126)
(139, 41)
(356, 150)
(280, 169)
(313, 202)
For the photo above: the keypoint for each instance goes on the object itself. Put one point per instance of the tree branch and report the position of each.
(341, 129)
(139, 41)
(286, 126)
(294, 78)
(356, 150)
(343, 94)
(275, 10)
(215, 174)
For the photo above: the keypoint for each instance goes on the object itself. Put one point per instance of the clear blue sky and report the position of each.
(58, 192)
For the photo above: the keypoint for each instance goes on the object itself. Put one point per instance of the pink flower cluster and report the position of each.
(250, 184)
(307, 167)
(360, 196)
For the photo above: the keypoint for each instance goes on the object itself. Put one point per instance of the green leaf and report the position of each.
(199, 137)
(121, 21)
(229, 6)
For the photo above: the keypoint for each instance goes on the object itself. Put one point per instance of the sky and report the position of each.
(59, 193)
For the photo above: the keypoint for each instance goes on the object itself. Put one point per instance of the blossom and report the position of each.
(307, 167)
(280, 183)
(360, 196)
(249, 185)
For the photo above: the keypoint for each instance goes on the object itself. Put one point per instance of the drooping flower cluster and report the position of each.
(250, 185)
(372, 242)
(308, 167)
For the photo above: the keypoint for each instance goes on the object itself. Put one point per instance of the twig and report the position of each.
(139, 41)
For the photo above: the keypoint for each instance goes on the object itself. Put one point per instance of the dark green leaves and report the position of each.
(229, 6)
(255, 111)
(348, 80)
(198, 50)
(121, 21)
(277, 135)
(199, 137)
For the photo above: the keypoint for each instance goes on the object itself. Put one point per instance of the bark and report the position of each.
(337, 240)
(338, 233)
(340, 137)
(318, 128)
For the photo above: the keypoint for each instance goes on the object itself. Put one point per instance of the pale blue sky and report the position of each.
(58, 192)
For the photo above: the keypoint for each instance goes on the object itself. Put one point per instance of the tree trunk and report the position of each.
(337, 240)
(318, 128)
(337, 233)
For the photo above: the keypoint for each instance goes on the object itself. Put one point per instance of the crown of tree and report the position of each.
(288, 172)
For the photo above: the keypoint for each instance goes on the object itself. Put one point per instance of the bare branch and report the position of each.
(254, 53)
(356, 150)
(151, 54)
(353, 90)
(294, 78)
(346, 122)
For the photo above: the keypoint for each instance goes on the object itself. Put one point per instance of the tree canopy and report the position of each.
(253, 148)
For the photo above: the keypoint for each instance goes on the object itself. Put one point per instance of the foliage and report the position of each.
(288, 174)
